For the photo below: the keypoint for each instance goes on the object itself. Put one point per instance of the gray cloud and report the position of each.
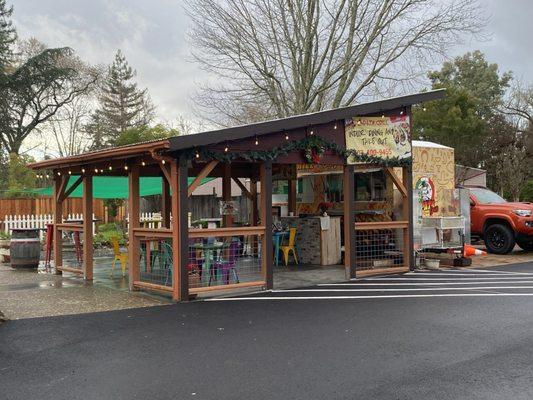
(152, 34)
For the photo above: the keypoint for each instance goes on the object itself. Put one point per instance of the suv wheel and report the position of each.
(526, 245)
(499, 239)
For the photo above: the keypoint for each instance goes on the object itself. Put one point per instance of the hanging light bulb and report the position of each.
(163, 162)
(143, 163)
(256, 141)
(58, 173)
(96, 170)
(424, 109)
(101, 171)
(70, 172)
(110, 168)
(47, 176)
(359, 121)
(335, 126)
(382, 115)
(226, 149)
(126, 167)
(312, 132)
(401, 112)
(286, 136)
(197, 154)
(83, 170)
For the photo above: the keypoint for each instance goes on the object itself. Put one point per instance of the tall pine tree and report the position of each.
(122, 104)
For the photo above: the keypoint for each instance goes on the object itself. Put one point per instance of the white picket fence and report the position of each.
(149, 219)
(37, 222)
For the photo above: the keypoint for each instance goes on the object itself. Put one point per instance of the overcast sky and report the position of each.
(152, 35)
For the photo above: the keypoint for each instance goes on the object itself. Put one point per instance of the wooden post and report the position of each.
(180, 229)
(407, 212)
(165, 202)
(292, 196)
(226, 193)
(133, 210)
(88, 226)
(266, 221)
(58, 218)
(349, 222)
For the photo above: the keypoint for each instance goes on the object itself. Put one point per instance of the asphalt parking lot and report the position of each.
(448, 334)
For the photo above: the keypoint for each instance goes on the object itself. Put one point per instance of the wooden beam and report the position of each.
(63, 180)
(201, 175)
(243, 188)
(266, 221)
(407, 211)
(68, 191)
(292, 196)
(88, 233)
(349, 220)
(165, 203)
(228, 287)
(180, 229)
(134, 223)
(364, 226)
(165, 169)
(399, 184)
(58, 219)
(227, 220)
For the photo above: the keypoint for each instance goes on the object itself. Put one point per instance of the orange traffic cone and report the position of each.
(472, 251)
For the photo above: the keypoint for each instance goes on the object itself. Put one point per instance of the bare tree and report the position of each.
(285, 57)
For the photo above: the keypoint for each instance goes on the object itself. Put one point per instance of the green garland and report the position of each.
(310, 142)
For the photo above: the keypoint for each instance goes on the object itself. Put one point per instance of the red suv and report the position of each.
(501, 224)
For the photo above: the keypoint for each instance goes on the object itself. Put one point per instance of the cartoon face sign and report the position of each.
(426, 189)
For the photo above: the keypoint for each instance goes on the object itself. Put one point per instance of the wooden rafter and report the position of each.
(69, 191)
(244, 189)
(397, 182)
(166, 170)
(201, 175)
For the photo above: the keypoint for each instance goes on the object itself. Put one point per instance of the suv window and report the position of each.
(485, 196)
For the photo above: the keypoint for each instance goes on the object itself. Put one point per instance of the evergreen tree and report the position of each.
(122, 104)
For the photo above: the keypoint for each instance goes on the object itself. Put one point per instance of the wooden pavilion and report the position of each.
(255, 152)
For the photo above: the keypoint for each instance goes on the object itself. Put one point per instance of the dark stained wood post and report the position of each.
(88, 226)
(133, 211)
(292, 196)
(58, 219)
(165, 202)
(349, 222)
(227, 220)
(266, 220)
(180, 229)
(407, 212)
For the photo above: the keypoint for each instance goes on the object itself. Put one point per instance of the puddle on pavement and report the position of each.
(38, 285)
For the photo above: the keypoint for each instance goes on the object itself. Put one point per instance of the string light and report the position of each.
(226, 148)
(197, 154)
(83, 170)
(96, 170)
(126, 167)
(47, 176)
(256, 141)
(286, 136)
(101, 171)
(143, 163)
(401, 112)
(163, 162)
(335, 126)
(382, 115)
(359, 121)
(424, 109)
(110, 168)
(70, 172)
(312, 132)
(58, 173)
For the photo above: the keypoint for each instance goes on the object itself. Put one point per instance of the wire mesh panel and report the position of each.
(379, 248)
(72, 249)
(218, 261)
(156, 261)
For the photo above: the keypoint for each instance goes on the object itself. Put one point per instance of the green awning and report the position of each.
(113, 187)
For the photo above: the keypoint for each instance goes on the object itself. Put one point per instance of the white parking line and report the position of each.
(401, 289)
(411, 296)
(419, 283)
(410, 274)
(442, 279)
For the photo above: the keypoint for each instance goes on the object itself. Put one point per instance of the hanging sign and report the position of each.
(382, 137)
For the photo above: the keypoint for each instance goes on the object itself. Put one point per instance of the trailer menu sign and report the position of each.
(383, 137)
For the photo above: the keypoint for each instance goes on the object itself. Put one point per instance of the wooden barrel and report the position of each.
(24, 248)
